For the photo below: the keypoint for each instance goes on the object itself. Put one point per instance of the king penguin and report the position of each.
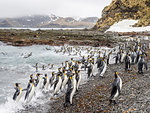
(78, 78)
(116, 88)
(64, 81)
(38, 82)
(30, 91)
(46, 83)
(18, 94)
(57, 84)
(74, 87)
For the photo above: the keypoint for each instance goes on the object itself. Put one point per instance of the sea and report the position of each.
(16, 67)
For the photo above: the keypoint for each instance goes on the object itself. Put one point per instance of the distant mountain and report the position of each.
(90, 19)
(48, 21)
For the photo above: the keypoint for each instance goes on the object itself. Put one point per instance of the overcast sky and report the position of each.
(65, 8)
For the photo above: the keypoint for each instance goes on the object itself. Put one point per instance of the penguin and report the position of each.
(45, 82)
(78, 79)
(103, 68)
(36, 67)
(38, 82)
(116, 58)
(74, 87)
(133, 56)
(67, 65)
(127, 62)
(18, 94)
(99, 61)
(108, 57)
(57, 84)
(141, 64)
(52, 79)
(64, 81)
(93, 67)
(89, 72)
(30, 91)
(52, 65)
(69, 91)
(122, 56)
(116, 88)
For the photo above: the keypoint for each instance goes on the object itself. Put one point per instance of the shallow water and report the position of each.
(15, 68)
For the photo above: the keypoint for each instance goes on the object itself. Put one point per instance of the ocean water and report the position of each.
(15, 68)
(34, 29)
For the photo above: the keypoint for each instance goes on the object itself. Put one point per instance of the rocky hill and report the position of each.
(48, 21)
(124, 9)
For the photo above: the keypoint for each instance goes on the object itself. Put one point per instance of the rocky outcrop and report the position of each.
(124, 9)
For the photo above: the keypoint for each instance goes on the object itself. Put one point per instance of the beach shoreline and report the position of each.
(85, 37)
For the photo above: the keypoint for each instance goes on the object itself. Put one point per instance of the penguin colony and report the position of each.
(68, 77)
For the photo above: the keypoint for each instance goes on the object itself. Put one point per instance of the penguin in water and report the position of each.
(30, 91)
(141, 64)
(38, 81)
(46, 83)
(18, 94)
(116, 88)
(52, 79)
(57, 84)
(36, 67)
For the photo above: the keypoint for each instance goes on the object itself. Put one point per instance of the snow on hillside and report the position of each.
(126, 26)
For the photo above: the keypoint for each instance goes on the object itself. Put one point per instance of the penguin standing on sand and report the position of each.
(70, 90)
(18, 94)
(30, 91)
(141, 64)
(133, 56)
(64, 81)
(102, 68)
(57, 84)
(127, 61)
(74, 87)
(108, 57)
(78, 78)
(116, 58)
(89, 69)
(116, 88)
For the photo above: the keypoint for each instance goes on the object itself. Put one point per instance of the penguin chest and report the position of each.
(39, 84)
(31, 93)
(120, 83)
(58, 85)
(19, 96)
(65, 80)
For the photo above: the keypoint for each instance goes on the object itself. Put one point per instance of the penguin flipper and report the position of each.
(113, 92)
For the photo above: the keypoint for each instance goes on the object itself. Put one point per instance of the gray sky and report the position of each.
(74, 8)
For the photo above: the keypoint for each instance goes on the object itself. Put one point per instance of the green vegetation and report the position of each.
(124, 9)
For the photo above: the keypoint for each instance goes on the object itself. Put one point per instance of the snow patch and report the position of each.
(126, 26)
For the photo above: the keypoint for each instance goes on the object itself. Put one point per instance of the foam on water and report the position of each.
(15, 68)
